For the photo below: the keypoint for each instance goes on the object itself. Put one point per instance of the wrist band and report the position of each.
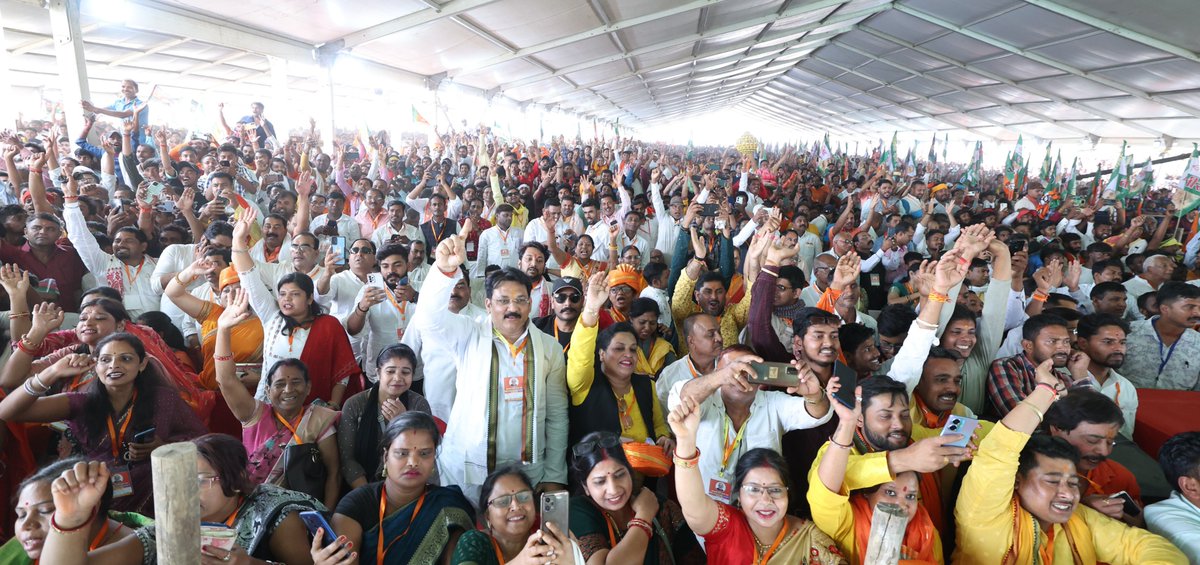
(449, 273)
(939, 297)
(688, 462)
(1040, 296)
(223, 357)
(38, 171)
(1053, 390)
(846, 447)
(54, 524)
(239, 250)
(359, 308)
(71, 198)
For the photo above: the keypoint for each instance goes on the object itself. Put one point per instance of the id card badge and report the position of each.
(514, 388)
(875, 281)
(504, 252)
(122, 481)
(399, 334)
(719, 490)
(470, 247)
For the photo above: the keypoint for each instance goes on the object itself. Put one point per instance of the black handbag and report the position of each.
(304, 471)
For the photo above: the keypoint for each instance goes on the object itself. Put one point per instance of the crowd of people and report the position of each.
(440, 347)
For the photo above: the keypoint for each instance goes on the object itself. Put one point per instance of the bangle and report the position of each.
(640, 524)
(38, 377)
(820, 398)
(688, 462)
(33, 170)
(359, 308)
(1039, 296)
(770, 272)
(239, 250)
(29, 390)
(449, 273)
(846, 447)
(1053, 390)
(184, 284)
(30, 350)
(54, 524)
(939, 297)
(21, 315)
(71, 198)
(1030, 406)
(223, 357)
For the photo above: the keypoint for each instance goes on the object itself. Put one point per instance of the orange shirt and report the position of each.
(1109, 478)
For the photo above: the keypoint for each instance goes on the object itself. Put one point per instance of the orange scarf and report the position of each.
(931, 419)
(918, 546)
(931, 493)
(1024, 534)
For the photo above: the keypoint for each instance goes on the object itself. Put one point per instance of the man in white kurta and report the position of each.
(128, 269)
(508, 373)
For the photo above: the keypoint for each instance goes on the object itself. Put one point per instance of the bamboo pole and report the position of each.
(887, 534)
(176, 503)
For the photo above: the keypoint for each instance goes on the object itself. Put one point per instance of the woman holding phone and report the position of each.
(513, 528)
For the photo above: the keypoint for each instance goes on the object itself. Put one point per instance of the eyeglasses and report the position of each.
(501, 502)
(622, 289)
(505, 301)
(888, 346)
(782, 288)
(604, 442)
(775, 492)
(205, 481)
(364, 250)
(562, 298)
(302, 247)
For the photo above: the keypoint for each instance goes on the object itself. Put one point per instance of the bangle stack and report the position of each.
(27, 347)
(687, 462)
(184, 284)
(641, 525)
(939, 297)
(28, 386)
(21, 315)
(223, 357)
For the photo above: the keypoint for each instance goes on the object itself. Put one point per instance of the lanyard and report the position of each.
(1162, 361)
(568, 345)
(692, 367)
(437, 234)
(100, 535)
(289, 426)
(730, 447)
(1117, 397)
(400, 309)
(778, 540)
(233, 517)
(292, 334)
(118, 438)
(133, 278)
(527, 398)
(381, 551)
(496, 547)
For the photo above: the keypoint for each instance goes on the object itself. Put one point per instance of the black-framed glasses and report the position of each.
(501, 502)
(604, 442)
(888, 346)
(562, 298)
(364, 250)
(302, 247)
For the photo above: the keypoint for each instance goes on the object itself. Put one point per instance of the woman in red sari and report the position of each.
(757, 528)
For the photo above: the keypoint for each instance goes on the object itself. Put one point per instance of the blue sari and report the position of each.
(421, 538)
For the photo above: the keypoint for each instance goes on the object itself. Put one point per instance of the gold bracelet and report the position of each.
(688, 462)
(1041, 415)
(180, 281)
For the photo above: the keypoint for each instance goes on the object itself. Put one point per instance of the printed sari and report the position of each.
(419, 532)
(732, 541)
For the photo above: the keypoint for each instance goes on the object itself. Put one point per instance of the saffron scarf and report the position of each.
(919, 535)
(1025, 536)
(931, 493)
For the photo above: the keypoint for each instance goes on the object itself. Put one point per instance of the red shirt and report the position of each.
(65, 267)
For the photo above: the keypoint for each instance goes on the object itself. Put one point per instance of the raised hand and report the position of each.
(847, 271)
(241, 228)
(685, 420)
(304, 184)
(780, 250)
(15, 280)
(809, 385)
(47, 317)
(1078, 365)
(597, 292)
(450, 253)
(844, 413)
(950, 270)
(68, 366)
(973, 240)
(77, 492)
(236, 311)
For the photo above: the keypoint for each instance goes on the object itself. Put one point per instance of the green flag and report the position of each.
(1118, 181)
(1187, 198)
(1072, 187)
(932, 150)
(1047, 165)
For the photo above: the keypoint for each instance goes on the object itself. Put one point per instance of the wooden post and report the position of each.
(176, 503)
(887, 534)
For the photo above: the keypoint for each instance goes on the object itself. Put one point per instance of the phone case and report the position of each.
(315, 521)
(960, 425)
(555, 509)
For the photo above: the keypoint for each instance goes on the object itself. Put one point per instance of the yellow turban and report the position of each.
(937, 187)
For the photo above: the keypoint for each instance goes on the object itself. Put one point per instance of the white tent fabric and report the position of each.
(1052, 69)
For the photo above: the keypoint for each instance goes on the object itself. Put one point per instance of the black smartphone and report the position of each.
(1130, 507)
(782, 375)
(710, 210)
(145, 436)
(848, 379)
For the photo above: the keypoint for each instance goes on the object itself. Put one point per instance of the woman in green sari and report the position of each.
(35, 506)
(420, 522)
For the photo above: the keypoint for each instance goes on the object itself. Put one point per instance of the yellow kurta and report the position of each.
(581, 373)
(683, 306)
(984, 517)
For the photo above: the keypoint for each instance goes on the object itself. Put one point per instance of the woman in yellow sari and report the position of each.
(653, 352)
(223, 283)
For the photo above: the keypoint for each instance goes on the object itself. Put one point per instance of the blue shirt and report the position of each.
(143, 116)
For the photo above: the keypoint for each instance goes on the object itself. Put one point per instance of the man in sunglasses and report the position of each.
(383, 305)
(567, 303)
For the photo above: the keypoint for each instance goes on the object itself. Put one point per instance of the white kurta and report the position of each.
(140, 290)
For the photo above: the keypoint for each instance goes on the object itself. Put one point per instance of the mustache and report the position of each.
(512, 316)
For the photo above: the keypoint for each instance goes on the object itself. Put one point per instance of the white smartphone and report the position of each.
(375, 280)
(960, 425)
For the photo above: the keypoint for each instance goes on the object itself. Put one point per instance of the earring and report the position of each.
(383, 474)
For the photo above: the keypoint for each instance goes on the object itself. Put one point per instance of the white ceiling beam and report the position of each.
(730, 50)
(1115, 29)
(815, 120)
(737, 26)
(152, 50)
(954, 87)
(407, 22)
(825, 115)
(1009, 82)
(221, 61)
(168, 19)
(47, 41)
(584, 35)
(1039, 58)
(834, 97)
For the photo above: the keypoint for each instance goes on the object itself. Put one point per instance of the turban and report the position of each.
(228, 276)
(647, 459)
(624, 274)
(937, 187)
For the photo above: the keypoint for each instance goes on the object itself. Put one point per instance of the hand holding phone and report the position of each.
(1130, 507)
(315, 521)
(555, 508)
(960, 425)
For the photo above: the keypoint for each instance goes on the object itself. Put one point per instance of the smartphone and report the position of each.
(145, 436)
(720, 224)
(774, 374)
(960, 425)
(555, 509)
(167, 206)
(1131, 508)
(848, 380)
(224, 163)
(315, 521)
(1016, 246)
(154, 189)
(375, 280)
(116, 206)
(338, 244)
(710, 210)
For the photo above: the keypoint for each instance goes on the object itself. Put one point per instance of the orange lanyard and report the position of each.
(778, 540)
(568, 345)
(496, 547)
(132, 278)
(381, 551)
(399, 308)
(516, 350)
(100, 535)
(233, 517)
(1095, 486)
(437, 234)
(503, 237)
(289, 426)
(730, 447)
(118, 439)
(271, 256)
(692, 367)
(1117, 397)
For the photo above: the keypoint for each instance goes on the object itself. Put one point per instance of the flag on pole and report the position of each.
(1010, 175)
(1096, 185)
(1047, 165)
(1145, 178)
(824, 154)
(945, 145)
(973, 173)
(1118, 181)
(1072, 188)
(889, 159)
(418, 118)
(910, 165)
(932, 150)
(1187, 198)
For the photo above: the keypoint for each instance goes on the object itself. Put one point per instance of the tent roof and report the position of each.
(1053, 69)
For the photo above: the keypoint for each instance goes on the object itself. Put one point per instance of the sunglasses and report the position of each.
(585, 447)
(365, 250)
(574, 297)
